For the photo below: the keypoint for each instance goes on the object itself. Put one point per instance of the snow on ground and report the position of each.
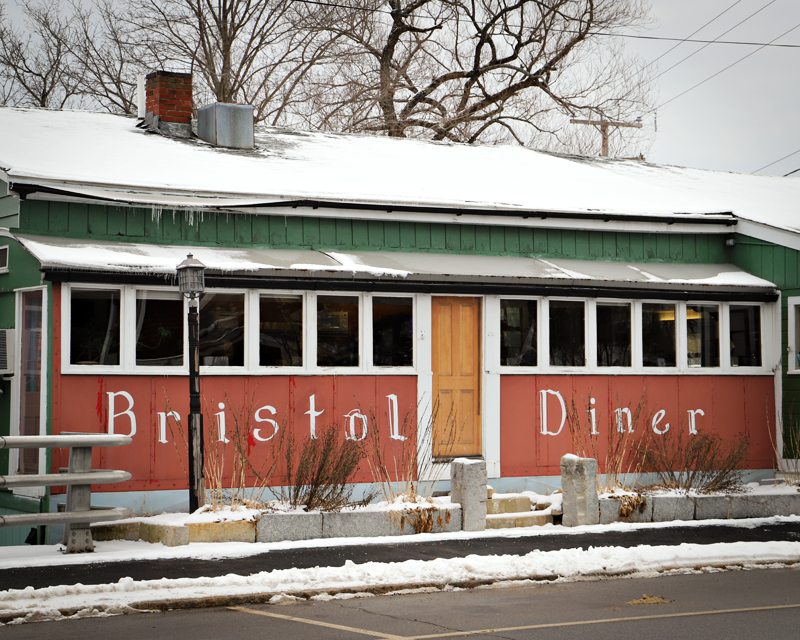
(566, 564)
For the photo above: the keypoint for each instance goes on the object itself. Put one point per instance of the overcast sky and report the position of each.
(742, 119)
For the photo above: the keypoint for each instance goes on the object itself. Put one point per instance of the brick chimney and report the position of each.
(169, 102)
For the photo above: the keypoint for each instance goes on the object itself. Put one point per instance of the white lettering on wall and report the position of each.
(350, 433)
(312, 413)
(128, 412)
(627, 413)
(657, 419)
(394, 423)
(221, 424)
(545, 430)
(692, 424)
(258, 418)
(162, 424)
(593, 418)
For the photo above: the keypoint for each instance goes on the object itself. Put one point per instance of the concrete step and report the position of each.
(506, 503)
(513, 520)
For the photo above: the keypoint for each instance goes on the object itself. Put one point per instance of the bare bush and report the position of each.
(700, 462)
(322, 478)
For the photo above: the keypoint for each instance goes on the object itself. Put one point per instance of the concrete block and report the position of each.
(508, 505)
(533, 520)
(349, 524)
(168, 535)
(758, 506)
(579, 485)
(793, 504)
(120, 531)
(669, 508)
(609, 510)
(234, 531)
(468, 488)
(711, 507)
(274, 527)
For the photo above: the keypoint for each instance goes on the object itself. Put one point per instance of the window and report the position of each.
(702, 333)
(658, 335)
(392, 332)
(159, 328)
(613, 334)
(4, 259)
(94, 322)
(280, 341)
(222, 329)
(567, 333)
(30, 409)
(518, 333)
(745, 328)
(337, 331)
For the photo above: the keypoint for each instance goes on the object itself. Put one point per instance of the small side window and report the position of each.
(745, 322)
(337, 331)
(392, 332)
(159, 329)
(280, 340)
(518, 333)
(94, 327)
(4, 259)
(658, 335)
(702, 332)
(222, 329)
(613, 334)
(567, 333)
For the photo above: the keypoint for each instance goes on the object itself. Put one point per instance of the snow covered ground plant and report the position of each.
(701, 463)
(617, 451)
(321, 478)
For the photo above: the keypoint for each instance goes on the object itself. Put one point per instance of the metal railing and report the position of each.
(78, 479)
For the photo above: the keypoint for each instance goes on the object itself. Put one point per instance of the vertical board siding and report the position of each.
(136, 224)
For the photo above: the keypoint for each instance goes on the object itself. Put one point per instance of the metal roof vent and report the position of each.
(226, 125)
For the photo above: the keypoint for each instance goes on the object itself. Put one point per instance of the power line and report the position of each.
(663, 104)
(779, 160)
(337, 5)
(738, 24)
(786, 175)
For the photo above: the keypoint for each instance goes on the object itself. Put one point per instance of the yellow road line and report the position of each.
(330, 625)
(549, 625)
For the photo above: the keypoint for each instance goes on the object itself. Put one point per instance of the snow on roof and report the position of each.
(120, 257)
(94, 153)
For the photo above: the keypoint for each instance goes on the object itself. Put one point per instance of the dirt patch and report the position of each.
(645, 599)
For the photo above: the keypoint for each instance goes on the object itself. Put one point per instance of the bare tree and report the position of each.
(36, 68)
(477, 70)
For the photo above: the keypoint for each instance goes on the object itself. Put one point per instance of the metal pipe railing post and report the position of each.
(197, 482)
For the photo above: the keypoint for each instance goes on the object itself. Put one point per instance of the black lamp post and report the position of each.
(191, 283)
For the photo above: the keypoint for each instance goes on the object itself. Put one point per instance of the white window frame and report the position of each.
(589, 335)
(765, 348)
(370, 350)
(16, 384)
(256, 305)
(792, 365)
(5, 248)
(250, 321)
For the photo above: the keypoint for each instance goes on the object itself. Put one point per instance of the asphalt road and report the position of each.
(332, 556)
(733, 605)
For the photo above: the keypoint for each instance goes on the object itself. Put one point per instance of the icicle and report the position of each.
(155, 213)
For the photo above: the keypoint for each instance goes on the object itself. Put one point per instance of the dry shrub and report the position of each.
(322, 478)
(787, 457)
(619, 462)
(628, 505)
(701, 462)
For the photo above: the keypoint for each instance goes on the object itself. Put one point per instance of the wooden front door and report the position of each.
(456, 354)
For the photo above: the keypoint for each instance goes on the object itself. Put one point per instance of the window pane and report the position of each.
(745, 336)
(518, 333)
(567, 337)
(613, 334)
(94, 327)
(702, 329)
(222, 329)
(159, 329)
(337, 331)
(796, 365)
(392, 332)
(31, 373)
(281, 336)
(658, 335)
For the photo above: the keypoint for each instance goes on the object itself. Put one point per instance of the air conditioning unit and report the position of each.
(7, 352)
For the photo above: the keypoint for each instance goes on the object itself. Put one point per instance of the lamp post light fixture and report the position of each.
(191, 283)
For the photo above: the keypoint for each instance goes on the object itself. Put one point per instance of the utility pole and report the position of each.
(604, 132)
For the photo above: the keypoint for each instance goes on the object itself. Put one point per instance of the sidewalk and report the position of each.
(91, 570)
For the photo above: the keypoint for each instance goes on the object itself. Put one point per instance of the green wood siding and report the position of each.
(137, 224)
